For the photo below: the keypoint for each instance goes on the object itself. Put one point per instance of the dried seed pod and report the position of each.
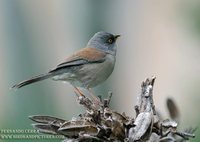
(173, 110)
(73, 128)
(118, 130)
(154, 138)
(119, 117)
(46, 128)
(85, 138)
(44, 119)
(169, 123)
(143, 127)
(75, 131)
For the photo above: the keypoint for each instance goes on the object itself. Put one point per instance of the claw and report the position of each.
(78, 91)
(96, 99)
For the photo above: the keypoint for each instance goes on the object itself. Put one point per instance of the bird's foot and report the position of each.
(78, 91)
(96, 99)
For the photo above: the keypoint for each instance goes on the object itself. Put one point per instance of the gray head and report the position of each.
(104, 41)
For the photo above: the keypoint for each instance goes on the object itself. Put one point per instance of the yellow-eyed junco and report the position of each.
(86, 68)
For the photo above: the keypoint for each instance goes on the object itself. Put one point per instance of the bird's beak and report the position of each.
(116, 36)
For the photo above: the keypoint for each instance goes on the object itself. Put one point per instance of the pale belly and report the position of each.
(89, 75)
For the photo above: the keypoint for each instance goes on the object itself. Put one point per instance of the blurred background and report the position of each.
(160, 38)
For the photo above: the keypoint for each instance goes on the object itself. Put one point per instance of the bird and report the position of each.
(86, 68)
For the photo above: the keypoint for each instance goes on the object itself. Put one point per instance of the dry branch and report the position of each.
(102, 124)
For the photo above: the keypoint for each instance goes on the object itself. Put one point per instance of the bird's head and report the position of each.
(104, 41)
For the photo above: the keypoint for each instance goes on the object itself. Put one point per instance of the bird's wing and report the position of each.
(83, 56)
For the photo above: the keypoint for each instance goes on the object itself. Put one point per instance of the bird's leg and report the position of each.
(96, 99)
(78, 91)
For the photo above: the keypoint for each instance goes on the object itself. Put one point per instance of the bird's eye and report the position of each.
(110, 40)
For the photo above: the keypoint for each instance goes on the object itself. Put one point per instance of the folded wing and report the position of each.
(84, 56)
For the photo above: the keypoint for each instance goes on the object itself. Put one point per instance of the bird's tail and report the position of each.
(32, 80)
